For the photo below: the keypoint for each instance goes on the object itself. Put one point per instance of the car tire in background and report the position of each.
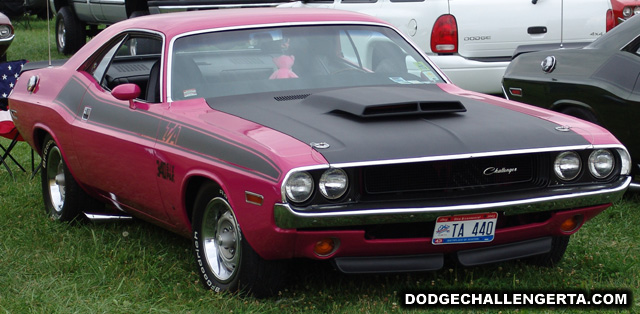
(64, 199)
(558, 247)
(580, 113)
(70, 31)
(225, 260)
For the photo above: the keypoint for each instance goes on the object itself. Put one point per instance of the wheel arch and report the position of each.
(39, 134)
(563, 104)
(57, 4)
(191, 188)
(136, 6)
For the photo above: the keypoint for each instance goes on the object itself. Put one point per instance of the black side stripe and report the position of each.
(118, 117)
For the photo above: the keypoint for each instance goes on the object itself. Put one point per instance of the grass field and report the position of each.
(135, 267)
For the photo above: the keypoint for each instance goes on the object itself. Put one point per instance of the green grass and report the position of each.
(132, 267)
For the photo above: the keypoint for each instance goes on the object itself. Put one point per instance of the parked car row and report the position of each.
(271, 134)
(472, 49)
(599, 83)
(624, 9)
(6, 36)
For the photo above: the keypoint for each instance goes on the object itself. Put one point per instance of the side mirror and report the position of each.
(128, 92)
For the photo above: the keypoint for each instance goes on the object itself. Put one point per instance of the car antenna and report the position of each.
(49, 30)
(561, 24)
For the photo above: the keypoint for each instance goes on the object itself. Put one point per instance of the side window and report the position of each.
(135, 58)
(99, 67)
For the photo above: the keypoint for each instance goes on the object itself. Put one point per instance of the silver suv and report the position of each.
(77, 19)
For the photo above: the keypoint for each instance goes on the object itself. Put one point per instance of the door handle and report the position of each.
(534, 30)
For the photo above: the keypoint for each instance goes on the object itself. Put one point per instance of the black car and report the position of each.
(599, 83)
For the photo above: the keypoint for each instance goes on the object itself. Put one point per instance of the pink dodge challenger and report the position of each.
(271, 134)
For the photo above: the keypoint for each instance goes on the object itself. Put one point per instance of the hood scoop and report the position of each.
(370, 102)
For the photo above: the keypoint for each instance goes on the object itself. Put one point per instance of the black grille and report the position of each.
(458, 177)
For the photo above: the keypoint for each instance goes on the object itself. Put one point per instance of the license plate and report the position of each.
(465, 228)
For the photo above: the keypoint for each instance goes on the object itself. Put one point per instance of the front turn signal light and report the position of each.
(325, 246)
(571, 224)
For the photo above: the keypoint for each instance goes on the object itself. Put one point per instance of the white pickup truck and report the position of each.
(473, 41)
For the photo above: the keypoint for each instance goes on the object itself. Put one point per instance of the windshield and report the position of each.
(228, 63)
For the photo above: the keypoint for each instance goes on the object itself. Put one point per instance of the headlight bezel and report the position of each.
(317, 197)
(617, 153)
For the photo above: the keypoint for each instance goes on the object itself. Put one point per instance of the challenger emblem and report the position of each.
(493, 170)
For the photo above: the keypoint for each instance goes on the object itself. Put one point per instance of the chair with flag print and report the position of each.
(9, 72)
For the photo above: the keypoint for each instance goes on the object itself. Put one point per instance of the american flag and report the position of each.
(9, 72)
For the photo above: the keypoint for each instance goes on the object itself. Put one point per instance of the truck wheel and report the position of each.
(64, 199)
(226, 261)
(558, 247)
(70, 32)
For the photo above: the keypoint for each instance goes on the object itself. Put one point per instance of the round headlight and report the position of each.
(567, 166)
(626, 12)
(333, 183)
(299, 186)
(636, 10)
(5, 31)
(601, 163)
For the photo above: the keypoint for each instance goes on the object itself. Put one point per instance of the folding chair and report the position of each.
(8, 130)
(9, 72)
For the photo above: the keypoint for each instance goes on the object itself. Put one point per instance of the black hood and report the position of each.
(395, 122)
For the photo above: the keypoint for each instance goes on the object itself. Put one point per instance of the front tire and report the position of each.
(226, 261)
(70, 31)
(64, 199)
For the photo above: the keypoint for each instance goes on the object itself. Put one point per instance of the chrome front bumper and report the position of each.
(558, 198)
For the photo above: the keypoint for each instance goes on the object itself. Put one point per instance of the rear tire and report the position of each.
(558, 247)
(70, 31)
(64, 199)
(226, 261)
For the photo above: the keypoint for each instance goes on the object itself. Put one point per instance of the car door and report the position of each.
(502, 26)
(116, 142)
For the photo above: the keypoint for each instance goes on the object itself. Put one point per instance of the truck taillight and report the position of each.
(611, 21)
(444, 35)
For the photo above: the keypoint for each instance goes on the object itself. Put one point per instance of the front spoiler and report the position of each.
(430, 262)
(558, 198)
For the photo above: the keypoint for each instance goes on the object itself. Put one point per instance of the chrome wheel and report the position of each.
(62, 33)
(221, 239)
(56, 179)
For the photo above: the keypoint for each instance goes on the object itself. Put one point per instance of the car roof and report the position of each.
(184, 22)
(174, 24)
